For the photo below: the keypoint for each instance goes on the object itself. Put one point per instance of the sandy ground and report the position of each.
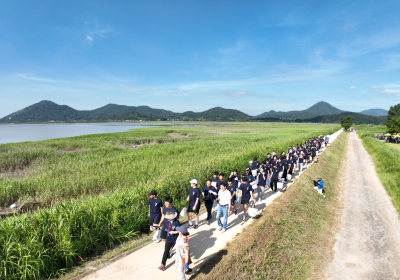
(368, 243)
(204, 242)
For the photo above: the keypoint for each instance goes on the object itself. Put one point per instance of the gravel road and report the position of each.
(368, 243)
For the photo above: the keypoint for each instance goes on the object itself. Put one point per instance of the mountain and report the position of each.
(358, 118)
(319, 109)
(375, 112)
(46, 111)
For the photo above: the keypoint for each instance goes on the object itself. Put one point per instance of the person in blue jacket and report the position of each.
(320, 186)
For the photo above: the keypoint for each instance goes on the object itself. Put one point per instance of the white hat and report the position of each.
(194, 181)
(250, 161)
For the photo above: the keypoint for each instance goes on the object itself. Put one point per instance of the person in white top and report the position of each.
(224, 206)
(182, 259)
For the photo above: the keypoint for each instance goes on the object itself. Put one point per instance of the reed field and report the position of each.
(91, 191)
(386, 158)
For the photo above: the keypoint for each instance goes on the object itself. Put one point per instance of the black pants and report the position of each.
(284, 173)
(168, 246)
(209, 209)
(274, 184)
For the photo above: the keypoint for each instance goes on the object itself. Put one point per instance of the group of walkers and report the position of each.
(221, 196)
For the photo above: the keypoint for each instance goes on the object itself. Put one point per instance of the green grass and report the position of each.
(94, 188)
(293, 235)
(386, 159)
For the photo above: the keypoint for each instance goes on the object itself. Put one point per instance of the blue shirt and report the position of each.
(207, 192)
(232, 189)
(155, 208)
(165, 210)
(171, 238)
(261, 180)
(234, 181)
(275, 173)
(194, 193)
(246, 190)
(320, 184)
(216, 182)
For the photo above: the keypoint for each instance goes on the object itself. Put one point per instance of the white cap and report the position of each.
(194, 181)
(250, 161)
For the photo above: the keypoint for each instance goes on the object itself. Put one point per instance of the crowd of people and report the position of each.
(220, 195)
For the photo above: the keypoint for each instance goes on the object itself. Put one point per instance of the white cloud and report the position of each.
(391, 91)
(89, 38)
(375, 88)
(352, 87)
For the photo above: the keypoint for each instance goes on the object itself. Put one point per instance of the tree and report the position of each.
(393, 122)
(346, 122)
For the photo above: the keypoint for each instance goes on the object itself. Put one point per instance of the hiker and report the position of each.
(274, 177)
(319, 186)
(267, 168)
(224, 206)
(254, 167)
(235, 178)
(181, 247)
(290, 166)
(222, 179)
(209, 195)
(172, 235)
(232, 189)
(164, 222)
(262, 180)
(268, 158)
(281, 169)
(194, 203)
(245, 194)
(215, 182)
(155, 213)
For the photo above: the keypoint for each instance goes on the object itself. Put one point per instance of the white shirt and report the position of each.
(224, 197)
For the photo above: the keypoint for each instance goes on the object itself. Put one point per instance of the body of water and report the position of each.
(12, 133)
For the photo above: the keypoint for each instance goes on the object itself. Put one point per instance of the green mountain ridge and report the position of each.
(318, 109)
(48, 111)
(375, 112)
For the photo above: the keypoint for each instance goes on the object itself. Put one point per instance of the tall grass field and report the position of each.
(386, 158)
(91, 191)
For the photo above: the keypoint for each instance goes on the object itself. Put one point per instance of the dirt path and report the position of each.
(204, 243)
(368, 243)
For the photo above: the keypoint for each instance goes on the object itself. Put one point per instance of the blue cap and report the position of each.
(182, 229)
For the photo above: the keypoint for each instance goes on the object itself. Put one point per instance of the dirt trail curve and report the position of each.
(204, 242)
(368, 243)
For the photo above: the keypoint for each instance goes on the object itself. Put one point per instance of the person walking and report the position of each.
(215, 182)
(181, 247)
(262, 180)
(164, 222)
(274, 177)
(209, 195)
(224, 206)
(155, 213)
(172, 235)
(194, 203)
(245, 193)
(232, 189)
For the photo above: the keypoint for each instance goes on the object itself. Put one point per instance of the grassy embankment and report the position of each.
(386, 158)
(97, 186)
(293, 237)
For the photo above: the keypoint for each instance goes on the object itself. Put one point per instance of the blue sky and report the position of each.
(254, 56)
